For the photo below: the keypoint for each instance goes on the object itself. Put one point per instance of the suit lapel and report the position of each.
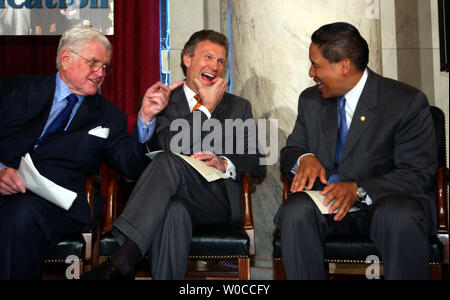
(178, 102)
(87, 113)
(43, 95)
(363, 116)
(328, 121)
(221, 108)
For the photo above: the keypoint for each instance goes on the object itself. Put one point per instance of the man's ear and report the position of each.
(346, 66)
(187, 58)
(65, 58)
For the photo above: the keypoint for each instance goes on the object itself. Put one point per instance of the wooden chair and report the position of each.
(353, 250)
(219, 251)
(77, 245)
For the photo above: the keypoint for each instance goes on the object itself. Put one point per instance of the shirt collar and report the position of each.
(62, 90)
(353, 96)
(190, 96)
(188, 92)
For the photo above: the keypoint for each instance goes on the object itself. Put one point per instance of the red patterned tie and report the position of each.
(199, 102)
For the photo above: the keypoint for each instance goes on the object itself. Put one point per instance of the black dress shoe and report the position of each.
(105, 271)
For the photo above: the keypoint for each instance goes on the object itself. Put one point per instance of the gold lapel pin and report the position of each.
(363, 119)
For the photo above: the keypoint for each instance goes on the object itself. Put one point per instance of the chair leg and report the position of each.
(82, 268)
(278, 270)
(327, 271)
(88, 251)
(436, 272)
(244, 268)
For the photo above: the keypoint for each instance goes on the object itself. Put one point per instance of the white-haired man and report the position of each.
(69, 130)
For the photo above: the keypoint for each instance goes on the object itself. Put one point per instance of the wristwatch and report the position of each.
(361, 193)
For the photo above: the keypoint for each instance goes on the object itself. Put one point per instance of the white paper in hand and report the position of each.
(209, 173)
(319, 200)
(43, 187)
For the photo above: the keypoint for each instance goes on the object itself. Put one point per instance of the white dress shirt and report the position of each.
(192, 102)
(351, 101)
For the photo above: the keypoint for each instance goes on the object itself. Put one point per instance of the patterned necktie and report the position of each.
(342, 136)
(60, 122)
(199, 102)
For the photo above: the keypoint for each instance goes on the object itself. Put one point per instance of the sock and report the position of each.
(126, 257)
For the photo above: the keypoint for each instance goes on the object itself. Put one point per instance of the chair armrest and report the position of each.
(286, 188)
(111, 204)
(91, 236)
(247, 212)
(246, 197)
(441, 200)
(89, 186)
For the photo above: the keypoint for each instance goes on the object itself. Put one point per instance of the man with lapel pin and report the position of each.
(364, 141)
(69, 131)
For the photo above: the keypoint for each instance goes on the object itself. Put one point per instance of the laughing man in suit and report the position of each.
(171, 197)
(69, 131)
(363, 140)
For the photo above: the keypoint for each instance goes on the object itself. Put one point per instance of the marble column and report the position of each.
(269, 66)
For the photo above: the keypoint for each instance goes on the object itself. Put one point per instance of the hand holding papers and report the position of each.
(209, 173)
(43, 187)
(319, 200)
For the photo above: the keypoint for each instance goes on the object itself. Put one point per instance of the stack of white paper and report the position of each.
(209, 173)
(43, 187)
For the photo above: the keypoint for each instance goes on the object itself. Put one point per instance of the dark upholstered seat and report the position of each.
(214, 241)
(71, 245)
(355, 249)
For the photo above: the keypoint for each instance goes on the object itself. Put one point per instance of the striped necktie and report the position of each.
(342, 136)
(199, 102)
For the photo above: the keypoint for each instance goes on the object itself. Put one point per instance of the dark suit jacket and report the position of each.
(392, 151)
(231, 107)
(65, 157)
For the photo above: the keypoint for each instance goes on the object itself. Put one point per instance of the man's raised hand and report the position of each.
(156, 99)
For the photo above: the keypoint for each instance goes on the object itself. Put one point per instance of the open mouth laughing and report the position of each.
(208, 77)
(320, 85)
(96, 81)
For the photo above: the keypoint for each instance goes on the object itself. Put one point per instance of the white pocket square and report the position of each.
(100, 132)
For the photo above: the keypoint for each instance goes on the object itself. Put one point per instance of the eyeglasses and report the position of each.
(95, 65)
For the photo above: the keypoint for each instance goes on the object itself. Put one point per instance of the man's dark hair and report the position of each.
(337, 41)
(200, 36)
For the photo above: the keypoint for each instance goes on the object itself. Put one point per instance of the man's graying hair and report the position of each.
(200, 36)
(337, 41)
(76, 37)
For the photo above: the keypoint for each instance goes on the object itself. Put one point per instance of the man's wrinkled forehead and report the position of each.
(97, 52)
(208, 45)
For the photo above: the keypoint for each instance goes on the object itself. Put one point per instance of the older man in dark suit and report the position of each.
(171, 197)
(364, 141)
(69, 131)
